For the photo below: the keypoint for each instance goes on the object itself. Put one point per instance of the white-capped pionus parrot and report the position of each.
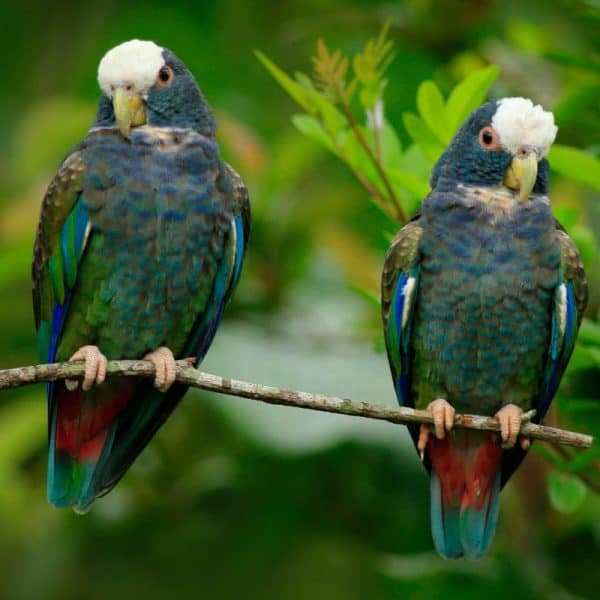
(482, 296)
(140, 244)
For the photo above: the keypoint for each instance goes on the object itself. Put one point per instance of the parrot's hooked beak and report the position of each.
(130, 110)
(521, 174)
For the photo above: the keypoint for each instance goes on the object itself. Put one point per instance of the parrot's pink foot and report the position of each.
(95, 368)
(443, 420)
(510, 418)
(166, 369)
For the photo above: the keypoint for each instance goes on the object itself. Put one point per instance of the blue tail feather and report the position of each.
(463, 532)
(445, 521)
(477, 527)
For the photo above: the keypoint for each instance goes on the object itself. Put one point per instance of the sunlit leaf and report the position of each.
(334, 120)
(414, 161)
(409, 182)
(295, 90)
(576, 164)
(358, 157)
(433, 110)
(391, 149)
(468, 95)
(305, 81)
(423, 136)
(310, 126)
(566, 492)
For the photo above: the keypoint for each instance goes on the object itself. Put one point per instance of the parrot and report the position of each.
(482, 296)
(140, 244)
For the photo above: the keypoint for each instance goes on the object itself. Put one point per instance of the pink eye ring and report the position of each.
(488, 138)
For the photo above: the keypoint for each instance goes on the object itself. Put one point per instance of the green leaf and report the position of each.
(423, 136)
(576, 164)
(305, 82)
(391, 149)
(310, 126)
(415, 186)
(334, 120)
(566, 492)
(294, 89)
(468, 95)
(358, 157)
(369, 95)
(414, 161)
(433, 110)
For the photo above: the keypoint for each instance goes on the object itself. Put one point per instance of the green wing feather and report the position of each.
(57, 250)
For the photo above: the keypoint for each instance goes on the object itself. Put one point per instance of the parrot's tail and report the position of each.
(81, 435)
(465, 492)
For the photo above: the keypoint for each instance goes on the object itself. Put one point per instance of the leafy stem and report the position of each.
(400, 213)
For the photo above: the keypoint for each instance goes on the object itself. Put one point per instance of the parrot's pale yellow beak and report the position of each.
(130, 111)
(521, 174)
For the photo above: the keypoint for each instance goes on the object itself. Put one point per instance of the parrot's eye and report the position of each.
(165, 76)
(488, 138)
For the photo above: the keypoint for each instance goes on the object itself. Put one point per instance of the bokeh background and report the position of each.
(233, 499)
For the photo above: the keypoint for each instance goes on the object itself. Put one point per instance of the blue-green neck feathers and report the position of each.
(465, 162)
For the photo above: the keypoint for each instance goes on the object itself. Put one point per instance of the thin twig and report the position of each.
(401, 215)
(187, 375)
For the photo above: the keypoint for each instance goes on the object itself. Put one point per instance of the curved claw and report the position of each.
(95, 368)
(510, 418)
(443, 420)
(166, 368)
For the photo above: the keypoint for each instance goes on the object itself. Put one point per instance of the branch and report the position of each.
(20, 376)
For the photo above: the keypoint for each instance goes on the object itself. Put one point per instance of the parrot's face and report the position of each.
(504, 142)
(144, 84)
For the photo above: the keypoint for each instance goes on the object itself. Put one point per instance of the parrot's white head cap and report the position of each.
(135, 62)
(519, 123)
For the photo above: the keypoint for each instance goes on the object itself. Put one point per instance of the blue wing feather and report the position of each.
(561, 348)
(398, 335)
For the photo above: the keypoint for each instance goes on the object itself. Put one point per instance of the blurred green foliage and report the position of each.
(235, 499)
